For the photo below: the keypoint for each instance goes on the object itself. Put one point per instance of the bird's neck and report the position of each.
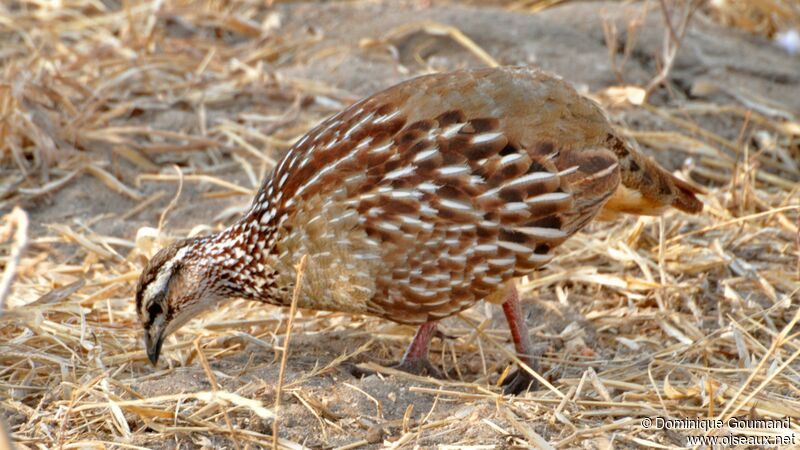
(237, 260)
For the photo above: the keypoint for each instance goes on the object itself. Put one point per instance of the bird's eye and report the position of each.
(154, 310)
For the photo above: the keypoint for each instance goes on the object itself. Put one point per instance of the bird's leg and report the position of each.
(520, 380)
(415, 360)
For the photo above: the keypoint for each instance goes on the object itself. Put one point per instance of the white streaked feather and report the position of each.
(426, 154)
(382, 148)
(381, 119)
(454, 170)
(399, 173)
(549, 197)
(502, 261)
(452, 130)
(515, 206)
(514, 247)
(530, 178)
(541, 232)
(537, 258)
(486, 137)
(568, 171)
(427, 187)
(602, 173)
(508, 159)
(453, 204)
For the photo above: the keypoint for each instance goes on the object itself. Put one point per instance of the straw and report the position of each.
(686, 316)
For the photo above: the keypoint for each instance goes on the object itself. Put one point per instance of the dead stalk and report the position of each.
(673, 38)
(301, 268)
(17, 222)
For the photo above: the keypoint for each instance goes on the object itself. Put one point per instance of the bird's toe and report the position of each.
(518, 382)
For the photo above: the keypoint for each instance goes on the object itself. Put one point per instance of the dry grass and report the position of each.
(689, 316)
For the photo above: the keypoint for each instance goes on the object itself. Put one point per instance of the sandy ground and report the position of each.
(332, 407)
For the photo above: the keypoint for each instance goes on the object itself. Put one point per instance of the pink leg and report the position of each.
(520, 380)
(415, 360)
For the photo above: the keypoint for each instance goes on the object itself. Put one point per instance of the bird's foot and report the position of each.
(518, 382)
(416, 366)
(419, 366)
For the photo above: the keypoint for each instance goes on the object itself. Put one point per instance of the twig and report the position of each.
(438, 28)
(777, 342)
(672, 42)
(172, 202)
(16, 219)
(215, 388)
(301, 268)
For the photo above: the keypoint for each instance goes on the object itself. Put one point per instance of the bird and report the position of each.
(416, 203)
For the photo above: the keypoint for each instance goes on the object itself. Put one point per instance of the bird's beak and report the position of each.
(153, 340)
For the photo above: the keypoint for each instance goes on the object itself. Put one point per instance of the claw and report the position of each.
(419, 366)
(518, 382)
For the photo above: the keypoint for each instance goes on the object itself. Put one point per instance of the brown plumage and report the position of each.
(416, 203)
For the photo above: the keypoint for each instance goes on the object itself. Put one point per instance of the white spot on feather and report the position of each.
(454, 170)
(541, 232)
(453, 204)
(514, 247)
(427, 187)
(508, 159)
(492, 280)
(405, 193)
(425, 154)
(399, 173)
(452, 130)
(486, 137)
(283, 179)
(381, 119)
(530, 178)
(358, 125)
(388, 226)
(539, 259)
(381, 148)
(515, 206)
(502, 261)
(549, 197)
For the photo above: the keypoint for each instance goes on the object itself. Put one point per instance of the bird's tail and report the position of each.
(648, 189)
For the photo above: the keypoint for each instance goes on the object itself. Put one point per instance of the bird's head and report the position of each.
(175, 286)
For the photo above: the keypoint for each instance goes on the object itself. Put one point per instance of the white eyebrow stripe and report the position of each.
(164, 274)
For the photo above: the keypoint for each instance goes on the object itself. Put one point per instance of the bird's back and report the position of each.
(423, 199)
